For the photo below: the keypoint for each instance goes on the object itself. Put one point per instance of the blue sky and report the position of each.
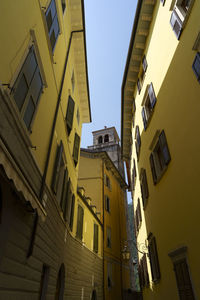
(108, 30)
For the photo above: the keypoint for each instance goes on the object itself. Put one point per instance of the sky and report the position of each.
(108, 31)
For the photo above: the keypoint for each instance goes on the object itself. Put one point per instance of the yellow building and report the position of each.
(101, 175)
(160, 113)
(44, 95)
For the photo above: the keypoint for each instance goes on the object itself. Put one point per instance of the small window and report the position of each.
(96, 238)
(144, 63)
(176, 24)
(108, 237)
(138, 86)
(76, 148)
(73, 81)
(100, 140)
(107, 182)
(60, 286)
(138, 141)
(63, 3)
(159, 158)
(196, 66)
(70, 114)
(106, 138)
(138, 217)
(79, 229)
(134, 174)
(153, 256)
(72, 213)
(149, 103)
(78, 116)
(44, 282)
(144, 187)
(28, 88)
(107, 203)
(52, 23)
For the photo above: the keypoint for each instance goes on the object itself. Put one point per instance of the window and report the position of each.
(143, 272)
(134, 174)
(73, 81)
(144, 187)
(76, 148)
(144, 63)
(28, 88)
(138, 86)
(78, 116)
(106, 138)
(138, 217)
(70, 114)
(72, 213)
(109, 275)
(60, 286)
(79, 229)
(100, 140)
(63, 3)
(149, 103)
(153, 256)
(52, 23)
(179, 15)
(196, 66)
(159, 158)
(107, 203)
(138, 141)
(182, 274)
(96, 237)
(44, 282)
(108, 236)
(107, 182)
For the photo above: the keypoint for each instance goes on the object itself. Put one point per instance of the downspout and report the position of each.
(56, 115)
(103, 230)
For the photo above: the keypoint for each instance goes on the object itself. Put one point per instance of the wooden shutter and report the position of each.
(183, 280)
(70, 114)
(154, 262)
(152, 95)
(76, 148)
(96, 232)
(72, 213)
(139, 211)
(164, 147)
(64, 191)
(44, 282)
(57, 164)
(144, 63)
(146, 274)
(79, 230)
(145, 185)
(153, 169)
(144, 118)
(68, 202)
(196, 66)
(176, 24)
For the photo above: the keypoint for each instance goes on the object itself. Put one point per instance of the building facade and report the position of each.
(160, 146)
(46, 250)
(105, 183)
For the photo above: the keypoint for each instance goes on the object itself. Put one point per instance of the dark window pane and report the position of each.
(52, 39)
(36, 86)
(30, 66)
(29, 113)
(56, 27)
(196, 66)
(49, 20)
(21, 92)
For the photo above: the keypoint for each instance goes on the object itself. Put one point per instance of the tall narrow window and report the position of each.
(144, 187)
(57, 167)
(96, 237)
(107, 203)
(100, 139)
(60, 286)
(72, 213)
(137, 141)
(44, 282)
(79, 230)
(108, 237)
(106, 138)
(28, 88)
(70, 114)
(134, 174)
(109, 276)
(149, 103)
(52, 23)
(196, 66)
(63, 3)
(153, 256)
(76, 148)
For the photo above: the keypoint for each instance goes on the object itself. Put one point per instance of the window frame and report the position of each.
(80, 221)
(51, 29)
(148, 103)
(154, 260)
(144, 187)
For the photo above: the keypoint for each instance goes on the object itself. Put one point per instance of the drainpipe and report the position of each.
(56, 115)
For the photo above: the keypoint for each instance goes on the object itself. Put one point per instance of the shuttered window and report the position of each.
(149, 104)
(44, 282)
(52, 23)
(154, 262)
(79, 230)
(196, 66)
(57, 166)
(76, 148)
(138, 86)
(143, 272)
(70, 114)
(176, 24)
(138, 216)
(134, 174)
(144, 63)
(63, 3)
(138, 141)
(96, 237)
(183, 280)
(144, 187)
(160, 157)
(28, 88)
(72, 213)
(107, 203)
(68, 202)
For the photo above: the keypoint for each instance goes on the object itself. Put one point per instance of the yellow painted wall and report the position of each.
(172, 209)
